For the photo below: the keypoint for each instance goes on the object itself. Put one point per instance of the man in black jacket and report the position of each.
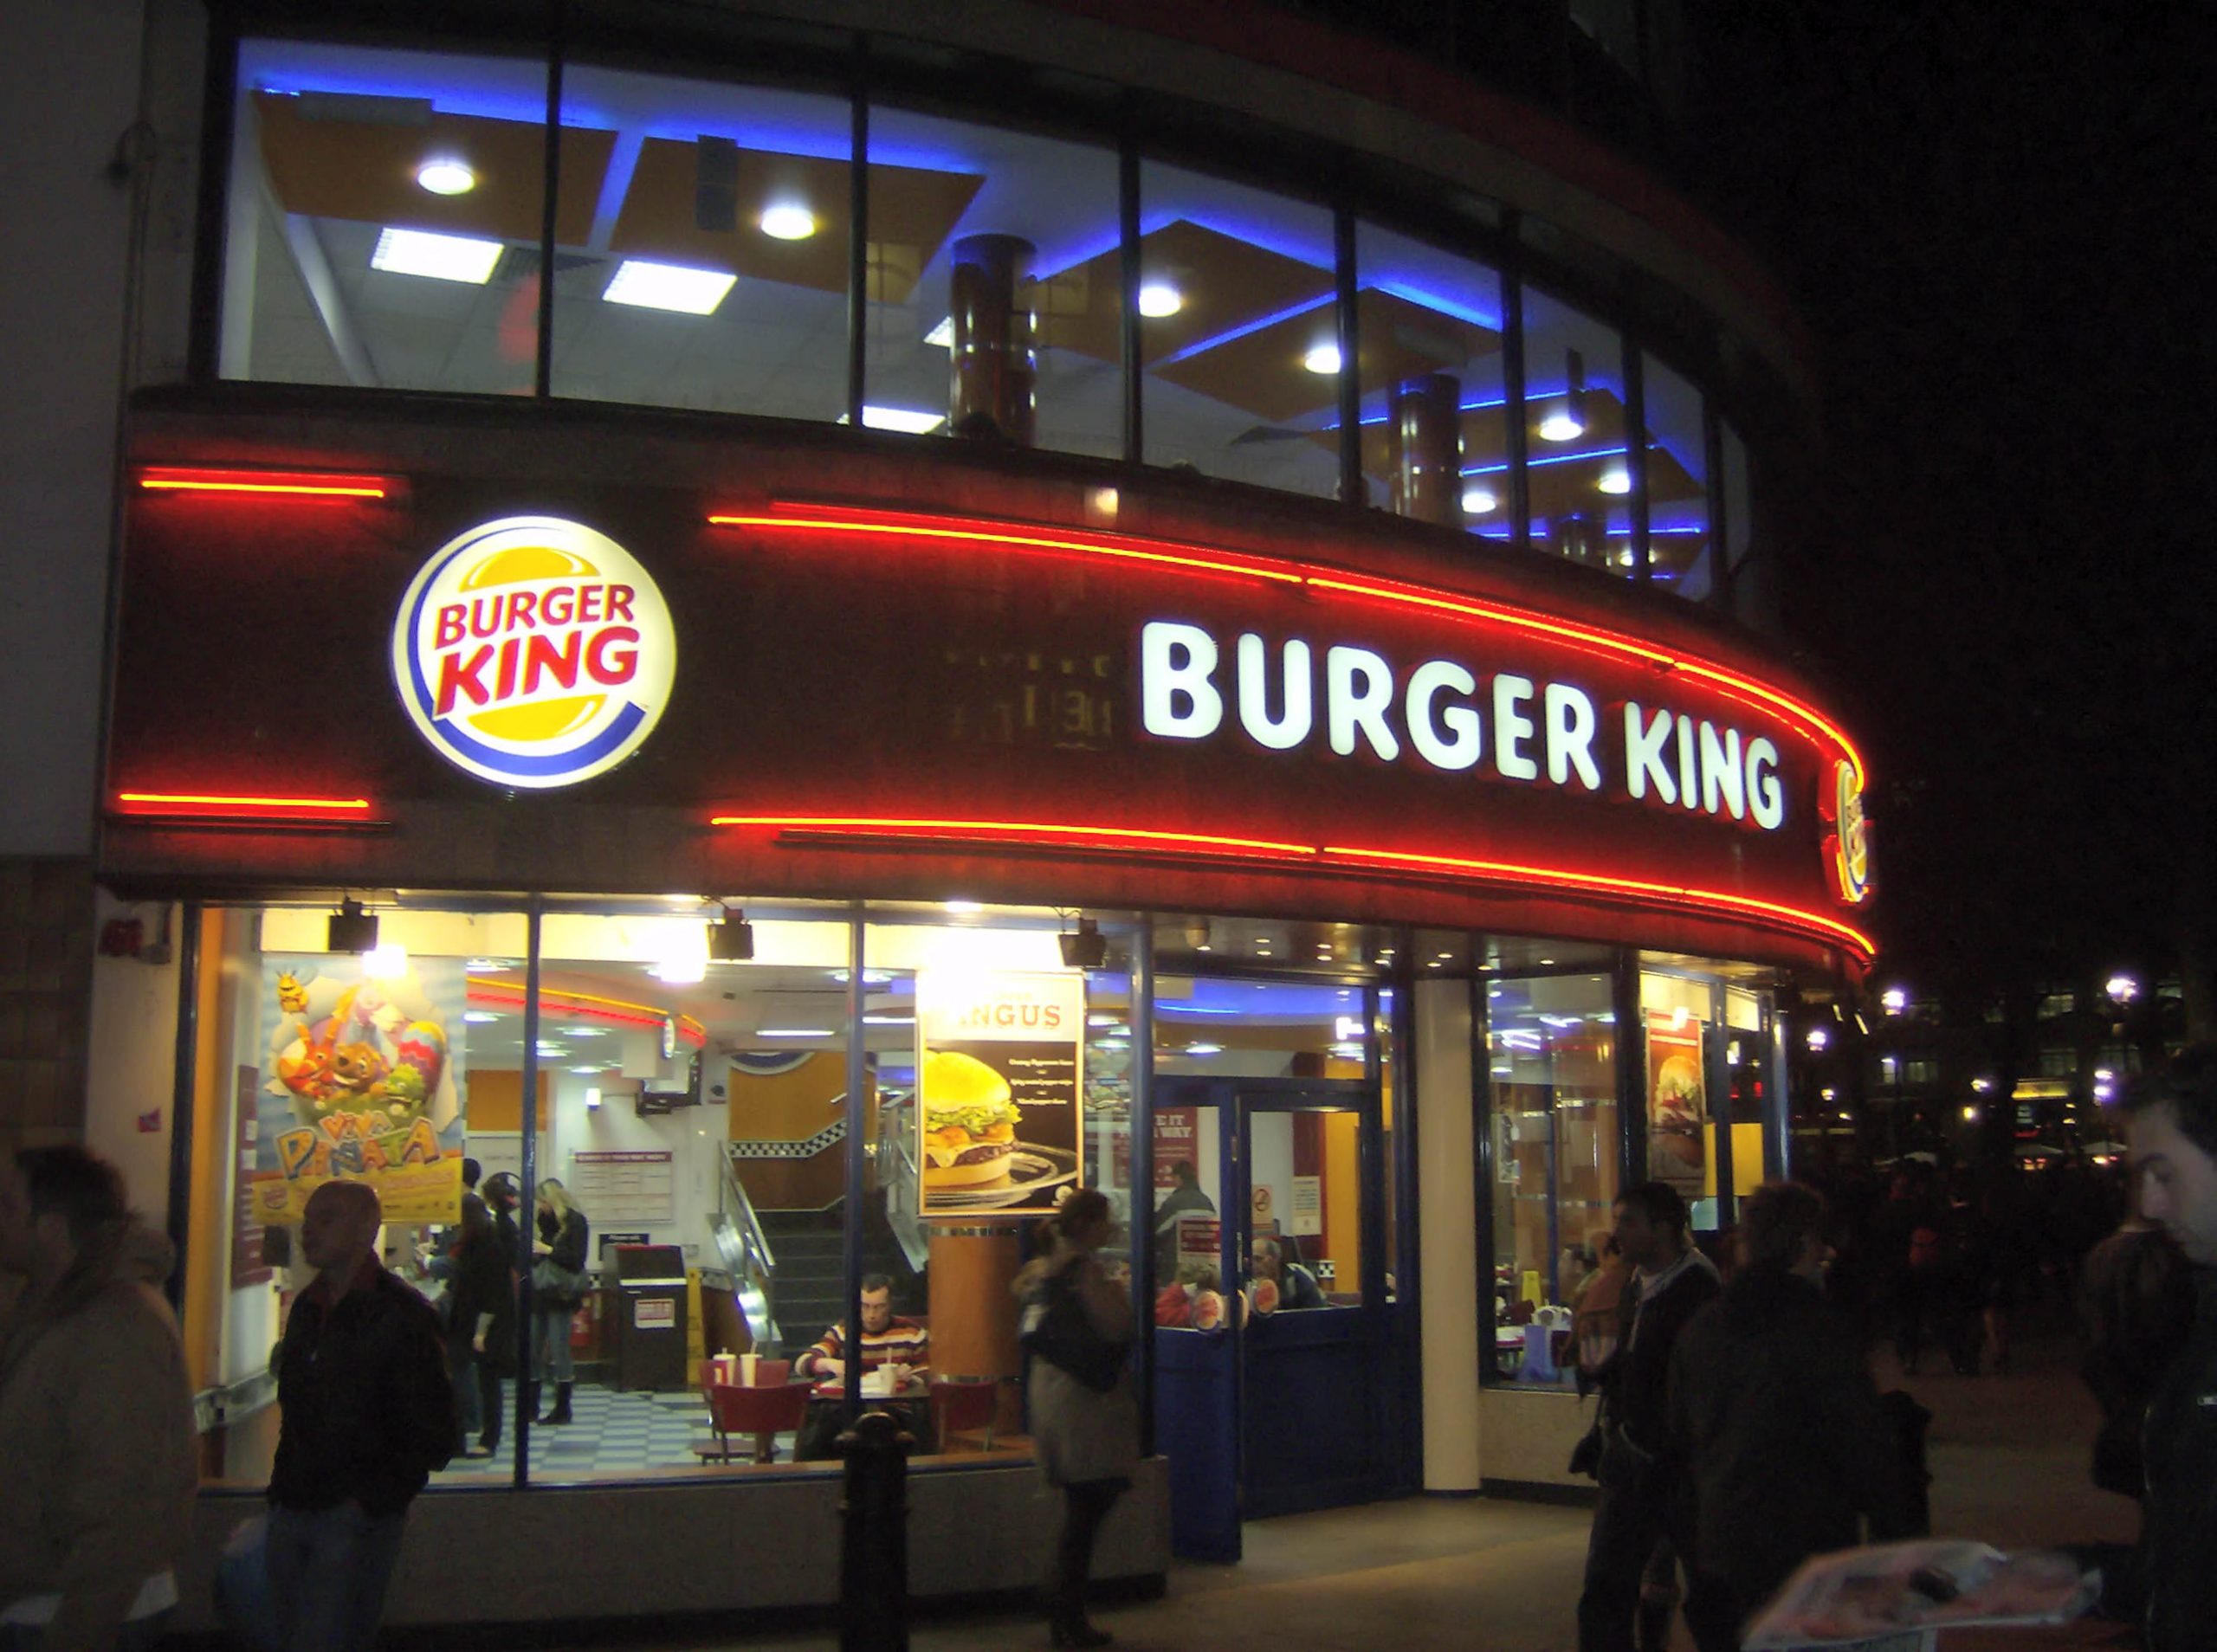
(1777, 1421)
(368, 1412)
(1640, 1488)
(2170, 1581)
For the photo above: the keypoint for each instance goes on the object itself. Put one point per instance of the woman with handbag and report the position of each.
(557, 1282)
(1078, 1328)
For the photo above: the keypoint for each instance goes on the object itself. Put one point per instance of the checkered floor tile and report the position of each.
(613, 1434)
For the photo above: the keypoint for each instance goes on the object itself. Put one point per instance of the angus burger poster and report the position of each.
(999, 1079)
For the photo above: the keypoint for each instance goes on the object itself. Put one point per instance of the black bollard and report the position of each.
(874, 1555)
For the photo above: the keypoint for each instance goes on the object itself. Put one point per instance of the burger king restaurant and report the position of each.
(579, 734)
(819, 889)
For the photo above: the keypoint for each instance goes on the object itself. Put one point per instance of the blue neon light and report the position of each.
(623, 161)
(1241, 331)
(1429, 300)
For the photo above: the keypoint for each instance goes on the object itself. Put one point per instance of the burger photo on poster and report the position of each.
(969, 1123)
(1674, 1115)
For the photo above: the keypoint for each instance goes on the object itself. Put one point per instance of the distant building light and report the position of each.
(1895, 1000)
(1818, 1037)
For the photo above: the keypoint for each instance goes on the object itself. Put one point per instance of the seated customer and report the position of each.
(888, 1340)
(1297, 1286)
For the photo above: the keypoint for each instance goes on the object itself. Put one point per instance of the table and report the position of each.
(820, 1430)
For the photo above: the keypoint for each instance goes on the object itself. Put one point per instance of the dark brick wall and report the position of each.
(46, 984)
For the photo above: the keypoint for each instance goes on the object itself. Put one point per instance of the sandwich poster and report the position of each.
(999, 1089)
(1677, 1103)
(365, 1084)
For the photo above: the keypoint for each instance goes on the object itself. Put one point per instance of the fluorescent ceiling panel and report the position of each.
(444, 258)
(668, 287)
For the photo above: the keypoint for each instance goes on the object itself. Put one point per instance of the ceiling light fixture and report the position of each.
(788, 221)
(942, 336)
(1567, 422)
(479, 1016)
(439, 258)
(446, 176)
(1614, 481)
(910, 421)
(1477, 502)
(1197, 933)
(793, 1032)
(1159, 298)
(649, 286)
(351, 929)
(385, 962)
(1323, 359)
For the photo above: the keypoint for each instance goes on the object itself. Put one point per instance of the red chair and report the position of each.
(763, 1411)
(968, 1405)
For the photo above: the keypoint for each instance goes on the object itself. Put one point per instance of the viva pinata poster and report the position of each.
(362, 1082)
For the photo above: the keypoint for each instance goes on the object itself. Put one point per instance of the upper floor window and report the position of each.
(1580, 478)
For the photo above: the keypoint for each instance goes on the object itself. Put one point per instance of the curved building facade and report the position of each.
(824, 626)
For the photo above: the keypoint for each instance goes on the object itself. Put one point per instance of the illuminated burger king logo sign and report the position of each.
(533, 651)
(1847, 847)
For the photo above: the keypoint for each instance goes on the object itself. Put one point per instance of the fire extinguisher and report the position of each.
(584, 1324)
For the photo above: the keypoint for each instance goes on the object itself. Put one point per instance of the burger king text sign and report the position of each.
(533, 651)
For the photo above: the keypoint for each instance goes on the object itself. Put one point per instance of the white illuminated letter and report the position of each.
(1766, 798)
(1721, 779)
(1459, 720)
(1570, 736)
(1177, 660)
(1644, 743)
(1254, 694)
(1689, 776)
(1511, 728)
(1358, 687)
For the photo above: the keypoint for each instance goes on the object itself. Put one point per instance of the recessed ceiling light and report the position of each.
(1615, 480)
(1477, 502)
(1159, 299)
(1561, 425)
(1205, 1049)
(1323, 359)
(546, 1049)
(487, 964)
(910, 421)
(680, 972)
(479, 1016)
(584, 1032)
(788, 221)
(942, 336)
(442, 258)
(597, 1067)
(963, 905)
(889, 1020)
(794, 1032)
(446, 176)
(668, 287)
(1545, 961)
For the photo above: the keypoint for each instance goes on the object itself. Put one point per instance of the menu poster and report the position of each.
(248, 1266)
(1677, 1103)
(1175, 1143)
(999, 1088)
(365, 1084)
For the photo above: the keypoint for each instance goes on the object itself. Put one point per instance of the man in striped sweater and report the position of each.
(888, 1340)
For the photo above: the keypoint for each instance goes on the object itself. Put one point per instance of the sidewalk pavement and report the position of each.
(2009, 1456)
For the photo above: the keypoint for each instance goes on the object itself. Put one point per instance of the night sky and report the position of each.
(1996, 220)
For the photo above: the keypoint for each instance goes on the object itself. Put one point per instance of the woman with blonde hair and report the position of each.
(1078, 1328)
(557, 1281)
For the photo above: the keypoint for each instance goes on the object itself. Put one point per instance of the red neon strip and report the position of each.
(1491, 871)
(584, 1006)
(959, 829)
(297, 484)
(1319, 577)
(216, 803)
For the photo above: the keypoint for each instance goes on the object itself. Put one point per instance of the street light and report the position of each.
(1818, 1037)
(2123, 988)
(1895, 999)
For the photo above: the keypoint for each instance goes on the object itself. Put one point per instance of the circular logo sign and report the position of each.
(533, 651)
(1848, 848)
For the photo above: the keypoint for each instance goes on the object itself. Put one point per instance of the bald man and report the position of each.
(368, 1413)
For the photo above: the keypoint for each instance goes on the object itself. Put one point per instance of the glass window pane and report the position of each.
(1304, 1228)
(1552, 1058)
(1238, 333)
(995, 285)
(1434, 439)
(1211, 1027)
(385, 216)
(1187, 1215)
(1680, 556)
(1574, 413)
(709, 267)
(1739, 527)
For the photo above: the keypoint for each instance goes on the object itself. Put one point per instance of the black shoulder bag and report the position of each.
(1056, 1328)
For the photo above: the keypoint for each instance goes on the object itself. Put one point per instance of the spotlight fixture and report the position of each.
(446, 176)
(1568, 421)
(1322, 359)
(731, 938)
(1197, 934)
(1086, 950)
(351, 929)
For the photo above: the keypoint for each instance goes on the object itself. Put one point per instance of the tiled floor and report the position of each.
(613, 1434)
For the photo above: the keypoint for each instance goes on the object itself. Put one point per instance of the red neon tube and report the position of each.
(222, 804)
(295, 484)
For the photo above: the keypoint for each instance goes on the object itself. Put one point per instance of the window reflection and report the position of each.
(385, 217)
(995, 286)
(1434, 437)
(1238, 332)
(712, 270)
(1579, 480)
(1680, 554)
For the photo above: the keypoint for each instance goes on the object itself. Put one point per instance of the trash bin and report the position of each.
(650, 1324)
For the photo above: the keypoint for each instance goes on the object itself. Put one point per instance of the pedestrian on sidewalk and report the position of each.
(95, 1413)
(1631, 1558)
(367, 1414)
(1777, 1421)
(1077, 1327)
